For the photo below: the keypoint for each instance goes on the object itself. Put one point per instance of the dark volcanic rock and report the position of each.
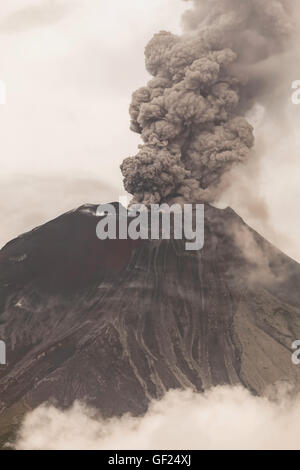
(116, 323)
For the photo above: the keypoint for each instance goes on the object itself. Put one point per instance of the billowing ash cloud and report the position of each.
(192, 114)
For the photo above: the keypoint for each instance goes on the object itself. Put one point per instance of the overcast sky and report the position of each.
(70, 67)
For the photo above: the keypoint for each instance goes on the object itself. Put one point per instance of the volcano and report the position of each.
(116, 323)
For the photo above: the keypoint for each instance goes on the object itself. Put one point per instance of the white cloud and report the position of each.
(223, 418)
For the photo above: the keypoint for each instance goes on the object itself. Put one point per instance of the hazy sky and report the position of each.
(70, 67)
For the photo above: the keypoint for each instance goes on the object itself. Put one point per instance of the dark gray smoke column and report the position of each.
(191, 115)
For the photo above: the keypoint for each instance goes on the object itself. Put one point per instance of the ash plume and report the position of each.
(192, 113)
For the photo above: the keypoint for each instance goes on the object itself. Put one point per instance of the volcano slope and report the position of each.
(116, 323)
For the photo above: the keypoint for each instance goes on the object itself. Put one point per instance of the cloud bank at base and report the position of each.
(223, 418)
